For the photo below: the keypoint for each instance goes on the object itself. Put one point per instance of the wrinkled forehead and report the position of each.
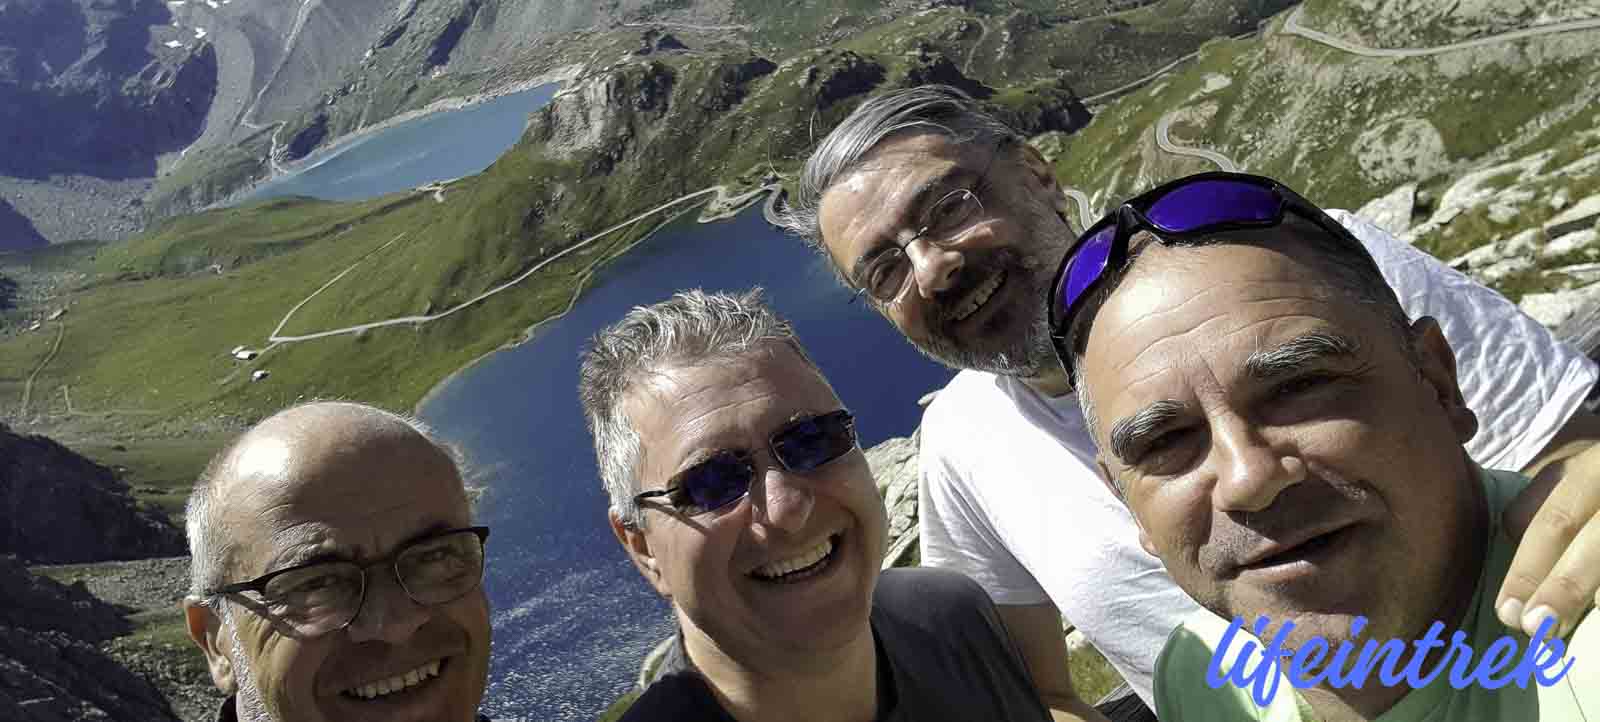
(729, 402)
(1186, 319)
(869, 198)
(357, 497)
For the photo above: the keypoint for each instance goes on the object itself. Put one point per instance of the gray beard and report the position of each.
(1027, 358)
(1028, 354)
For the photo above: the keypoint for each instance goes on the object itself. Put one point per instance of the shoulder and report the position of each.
(921, 586)
(933, 599)
(969, 394)
(682, 696)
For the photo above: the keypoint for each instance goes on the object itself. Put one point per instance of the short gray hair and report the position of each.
(690, 328)
(939, 109)
(211, 553)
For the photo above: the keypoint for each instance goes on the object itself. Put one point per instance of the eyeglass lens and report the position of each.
(323, 597)
(801, 446)
(950, 213)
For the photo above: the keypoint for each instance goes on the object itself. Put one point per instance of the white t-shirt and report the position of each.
(1010, 497)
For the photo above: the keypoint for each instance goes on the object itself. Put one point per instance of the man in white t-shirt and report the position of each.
(952, 226)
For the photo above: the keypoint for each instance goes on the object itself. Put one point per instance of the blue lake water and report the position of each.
(572, 618)
(435, 147)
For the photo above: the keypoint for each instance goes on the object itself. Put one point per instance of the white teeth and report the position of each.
(979, 296)
(786, 566)
(397, 682)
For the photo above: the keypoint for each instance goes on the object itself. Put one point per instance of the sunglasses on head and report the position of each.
(1189, 207)
(725, 477)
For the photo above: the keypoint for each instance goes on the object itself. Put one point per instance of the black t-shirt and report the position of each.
(939, 640)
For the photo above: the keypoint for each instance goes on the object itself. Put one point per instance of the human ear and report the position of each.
(1437, 364)
(205, 628)
(637, 545)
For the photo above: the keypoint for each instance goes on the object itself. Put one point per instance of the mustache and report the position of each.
(1304, 508)
(943, 308)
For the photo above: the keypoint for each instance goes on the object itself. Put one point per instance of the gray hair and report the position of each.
(939, 109)
(690, 328)
(211, 553)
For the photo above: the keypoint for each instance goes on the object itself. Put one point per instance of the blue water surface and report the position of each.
(434, 147)
(572, 617)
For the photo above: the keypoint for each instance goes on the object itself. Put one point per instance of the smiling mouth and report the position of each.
(805, 565)
(1312, 550)
(978, 296)
(396, 685)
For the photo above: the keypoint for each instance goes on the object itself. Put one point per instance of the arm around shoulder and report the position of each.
(1035, 630)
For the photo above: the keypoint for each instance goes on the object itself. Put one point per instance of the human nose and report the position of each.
(934, 267)
(1252, 469)
(786, 501)
(387, 612)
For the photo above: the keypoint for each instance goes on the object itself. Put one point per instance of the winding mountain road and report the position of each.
(1085, 214)
(1292, 26)
(721, 199)
(1164, 141)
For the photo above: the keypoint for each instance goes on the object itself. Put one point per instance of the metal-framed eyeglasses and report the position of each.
(941, 223)
(322, 596)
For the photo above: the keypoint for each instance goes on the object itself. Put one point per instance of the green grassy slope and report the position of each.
(1341, 128)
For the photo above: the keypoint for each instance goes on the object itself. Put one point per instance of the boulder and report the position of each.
(894, 465)
(1392, 212)
(1555, 310)
(50, 668)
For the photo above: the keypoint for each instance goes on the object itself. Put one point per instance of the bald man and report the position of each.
(336, 574)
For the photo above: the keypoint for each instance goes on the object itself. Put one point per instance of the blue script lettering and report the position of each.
(1542, 653)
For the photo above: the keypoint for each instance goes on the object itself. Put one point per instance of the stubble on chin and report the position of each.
(1026, 356)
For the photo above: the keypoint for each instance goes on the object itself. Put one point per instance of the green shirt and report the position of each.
(1182, 693)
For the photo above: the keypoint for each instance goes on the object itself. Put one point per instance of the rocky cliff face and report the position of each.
(87, 87)
(50, 668)
(57, 507)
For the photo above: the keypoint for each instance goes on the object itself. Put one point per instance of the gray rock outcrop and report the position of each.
(894, 465)
(57, 507)
(87, 88)
(50, 667)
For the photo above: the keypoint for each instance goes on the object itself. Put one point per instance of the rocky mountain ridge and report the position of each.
(50, 664)
(58, 507)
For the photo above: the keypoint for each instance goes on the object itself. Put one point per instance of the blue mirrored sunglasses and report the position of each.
(725, 477)
(1196, 205)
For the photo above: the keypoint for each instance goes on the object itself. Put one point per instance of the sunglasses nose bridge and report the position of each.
(782, 498)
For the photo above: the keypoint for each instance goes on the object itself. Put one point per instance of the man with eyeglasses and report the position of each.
(336, 573)
(951, 226)
(739, 492)
(1290, 443)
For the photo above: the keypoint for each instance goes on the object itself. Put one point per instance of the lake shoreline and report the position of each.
(718, 215)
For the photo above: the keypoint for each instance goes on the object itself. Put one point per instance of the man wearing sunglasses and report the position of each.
(1290, 444)
(336, 574)
(951, 226)
(739, 492)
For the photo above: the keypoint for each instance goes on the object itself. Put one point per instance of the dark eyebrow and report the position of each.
(1300, 352)
(1129, 433)
(920, 198)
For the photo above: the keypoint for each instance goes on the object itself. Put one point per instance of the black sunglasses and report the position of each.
(725, 477)
(1197, 205)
